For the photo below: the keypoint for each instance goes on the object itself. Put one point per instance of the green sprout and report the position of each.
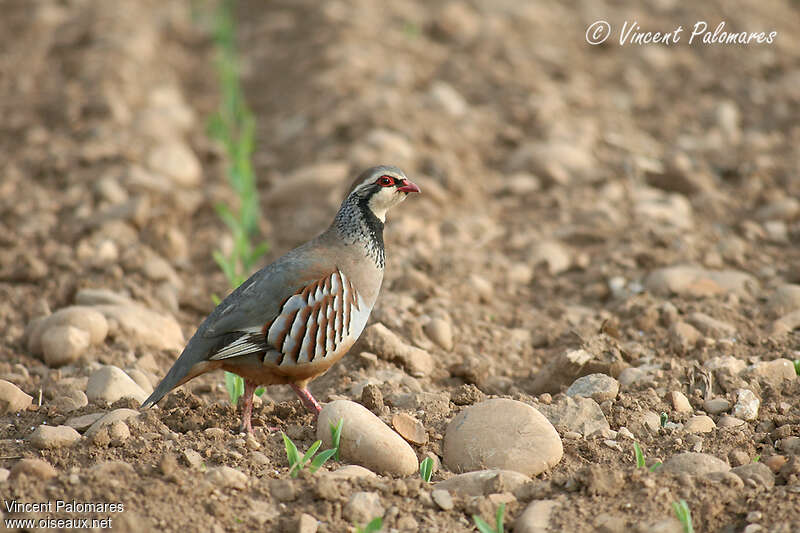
(297, 463)
(426, 469)
(483, 527)
(797, 366)
(234, 126)
(639, 456)
(684, 515)
(664, 419)
(336, 436)
(374, 525)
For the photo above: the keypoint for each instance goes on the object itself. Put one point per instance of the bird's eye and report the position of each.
(386, 181)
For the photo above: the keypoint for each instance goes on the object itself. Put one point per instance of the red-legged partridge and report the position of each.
(293, 319)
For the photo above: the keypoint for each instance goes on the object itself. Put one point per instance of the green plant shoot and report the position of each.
(336, 436)
(483, 527)
(426, 469)
(374, 525)
(684, 515)
(297, 463)
(234, 126)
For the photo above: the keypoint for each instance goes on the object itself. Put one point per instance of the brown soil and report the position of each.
(327, 82)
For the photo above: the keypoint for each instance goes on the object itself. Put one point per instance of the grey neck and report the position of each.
(356, 224)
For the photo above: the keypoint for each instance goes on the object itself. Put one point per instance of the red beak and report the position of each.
(408, 186)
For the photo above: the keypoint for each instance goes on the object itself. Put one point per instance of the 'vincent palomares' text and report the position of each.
(631, 33)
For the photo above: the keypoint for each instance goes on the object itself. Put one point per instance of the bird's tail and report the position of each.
(188, 365)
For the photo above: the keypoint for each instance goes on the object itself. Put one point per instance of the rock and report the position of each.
(226, 477)
(560, 370)
(536, 517)
(48, 437)
(62, 345)
(504, 434)
(746, 406)
(80, 317)
(145, 327)
(666, 525)
(785, 324)
(582, 415)
(655, 206)
(141, 379)
(12, 399)
(175, 160)
(366, 440)
(696, 281)
(467, 394)
(551, 253)
(442, 498)
(598, 387)
(729, 422)
(606, 523)
(643, 422)
(307, 524)
(4, 474)
(726, 364)
(410, 428)
(118, 432)
(738, 457)
(785, 299)
(441, 332)
(457, 22)
(372, 398)
(699, 424)
(352, 472)
(362, 507)
(683, 337)
(109, 384)
(83, 422)
(379, 339)
(758, 472)
(483, 482)
(711, 327)
(635, 375)
(109, 418)
(782, 209)
(34, 468)
(71, 401)
(715, 406)
(193, 458)
(556, 161)
(694, 464)
(773, 371)
(443, 96)
(680, 402)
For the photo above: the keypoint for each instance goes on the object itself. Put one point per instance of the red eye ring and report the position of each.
(385, 181)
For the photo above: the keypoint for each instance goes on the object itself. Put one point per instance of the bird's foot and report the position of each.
(308, 399)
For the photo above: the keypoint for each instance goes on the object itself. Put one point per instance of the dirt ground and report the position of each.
(559, 181)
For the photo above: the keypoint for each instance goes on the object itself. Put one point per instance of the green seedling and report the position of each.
(664, 419)
(483, 527)
(757, 458)
(638, 455)
(234, 127)
(640, 461)
(374, 525)
(797, 366)
(297, 463)
(336, 436)
(684, 515)
(426, 469)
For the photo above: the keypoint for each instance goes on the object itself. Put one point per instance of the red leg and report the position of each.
(308, 400)
(247, 406)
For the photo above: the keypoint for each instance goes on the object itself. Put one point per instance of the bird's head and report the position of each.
(381, 188)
